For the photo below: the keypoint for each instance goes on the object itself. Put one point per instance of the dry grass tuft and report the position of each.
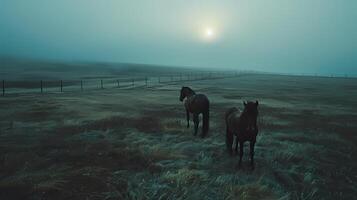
(146, 124)
(185, 176)
(254, 191)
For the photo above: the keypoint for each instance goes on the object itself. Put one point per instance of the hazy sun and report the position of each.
(209, 34)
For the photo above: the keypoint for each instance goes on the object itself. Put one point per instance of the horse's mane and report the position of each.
(190, 90)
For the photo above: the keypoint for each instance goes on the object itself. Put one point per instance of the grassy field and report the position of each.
(134, 144)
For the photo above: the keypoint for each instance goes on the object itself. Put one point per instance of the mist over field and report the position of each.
(304, 36)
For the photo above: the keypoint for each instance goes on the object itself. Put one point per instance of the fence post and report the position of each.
(61, 86)
(41, 86)
(3, 87)
(81, 85)
(118, 82)
(101, 84)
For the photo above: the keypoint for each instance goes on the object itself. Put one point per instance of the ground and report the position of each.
(132, 143)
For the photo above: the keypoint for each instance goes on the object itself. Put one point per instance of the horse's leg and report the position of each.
(196, 122)
(252, 143)
(229, 141)
(188, 118)
(240, 153)
(205, 123)
(236, 145)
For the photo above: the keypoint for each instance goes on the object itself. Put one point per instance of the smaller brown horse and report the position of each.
(244, 126)
(196, 104)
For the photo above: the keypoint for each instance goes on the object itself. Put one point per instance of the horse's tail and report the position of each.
(205, 125)
(229, 139)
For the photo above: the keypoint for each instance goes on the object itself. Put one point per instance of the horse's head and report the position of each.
(251, 114)
(251, 107)
(185, 91)
(182, 93)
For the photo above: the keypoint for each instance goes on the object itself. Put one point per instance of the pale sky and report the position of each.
(292, 36)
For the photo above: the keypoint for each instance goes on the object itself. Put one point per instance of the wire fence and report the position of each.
(87, 84)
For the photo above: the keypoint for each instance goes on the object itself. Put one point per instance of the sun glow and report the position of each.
(209, 34)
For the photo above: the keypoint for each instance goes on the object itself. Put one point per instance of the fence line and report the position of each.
(48, 86)
(3, 87)
(41, 86)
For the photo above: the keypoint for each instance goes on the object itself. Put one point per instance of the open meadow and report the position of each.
(132, 142)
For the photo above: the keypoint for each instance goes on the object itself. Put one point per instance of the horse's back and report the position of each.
(198, 103)
(201, 98)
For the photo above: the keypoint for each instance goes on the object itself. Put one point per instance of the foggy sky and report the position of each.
(295, 36)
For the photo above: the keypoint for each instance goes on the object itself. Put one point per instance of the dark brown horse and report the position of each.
(196, 104)
(243, 125)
